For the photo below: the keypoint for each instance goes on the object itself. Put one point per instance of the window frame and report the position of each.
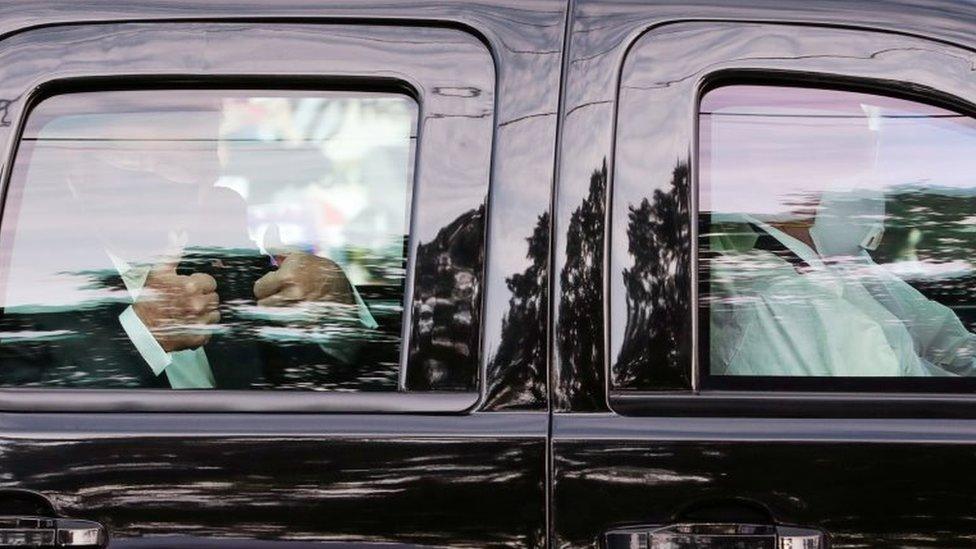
(707, 381)
(749, 53)
(332, 58)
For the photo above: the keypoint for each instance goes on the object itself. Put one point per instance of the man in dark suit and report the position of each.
(164, 286)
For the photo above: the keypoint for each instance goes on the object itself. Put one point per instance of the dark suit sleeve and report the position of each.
(257, 352)
(22, 357)
(86, 347)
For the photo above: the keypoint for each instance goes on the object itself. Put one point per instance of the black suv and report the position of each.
(516, 273)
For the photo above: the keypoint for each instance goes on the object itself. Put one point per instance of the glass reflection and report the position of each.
(516, 368)
(656, 342)
(836, 234)
(442, 341)
(580, 337)
(208, 239)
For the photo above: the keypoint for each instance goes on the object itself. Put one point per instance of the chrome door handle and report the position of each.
(51, 532)
(715, 536)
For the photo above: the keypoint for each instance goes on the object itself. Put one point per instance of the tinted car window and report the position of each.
(836, 235)
(208, 239)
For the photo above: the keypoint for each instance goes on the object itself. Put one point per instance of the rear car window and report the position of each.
(836, 235)
(208, 239)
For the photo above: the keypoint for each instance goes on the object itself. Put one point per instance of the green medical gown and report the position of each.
(770, 317)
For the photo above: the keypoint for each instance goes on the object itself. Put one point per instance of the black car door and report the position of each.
(739, 360)
(435, 432)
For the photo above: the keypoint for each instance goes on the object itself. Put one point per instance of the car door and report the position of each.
(388, 139)
(759, 376)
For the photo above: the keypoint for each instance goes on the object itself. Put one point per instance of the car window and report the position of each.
(206, 239)
(836, 235)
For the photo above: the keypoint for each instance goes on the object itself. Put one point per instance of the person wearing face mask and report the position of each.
(168, 256)
(803, 297)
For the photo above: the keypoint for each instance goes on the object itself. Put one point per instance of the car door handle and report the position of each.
(29, 531)
(715, 536)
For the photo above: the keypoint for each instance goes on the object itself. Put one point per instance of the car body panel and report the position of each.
(648, 447)
(871, 470)
(380, 473)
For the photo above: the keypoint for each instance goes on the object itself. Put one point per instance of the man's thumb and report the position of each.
(170, 259)
(166, 267)
(273, 245)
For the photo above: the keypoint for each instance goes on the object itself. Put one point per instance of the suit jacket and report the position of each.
(83, 344)
(86, 345)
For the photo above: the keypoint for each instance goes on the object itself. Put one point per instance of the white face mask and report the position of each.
(848, 222)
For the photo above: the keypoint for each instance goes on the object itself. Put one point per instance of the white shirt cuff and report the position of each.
(344, 352)
(365, 317)
(158, 359)
(150, 349)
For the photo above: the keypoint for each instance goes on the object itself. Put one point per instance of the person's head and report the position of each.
(126, 133)
(837, 200)
(137, 166)
(848, 222)
(771, 152)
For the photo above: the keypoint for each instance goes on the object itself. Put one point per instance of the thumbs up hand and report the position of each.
(176, 308)
(301, 278)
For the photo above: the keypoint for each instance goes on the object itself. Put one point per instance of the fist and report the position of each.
(177, 309)
(303, 277)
